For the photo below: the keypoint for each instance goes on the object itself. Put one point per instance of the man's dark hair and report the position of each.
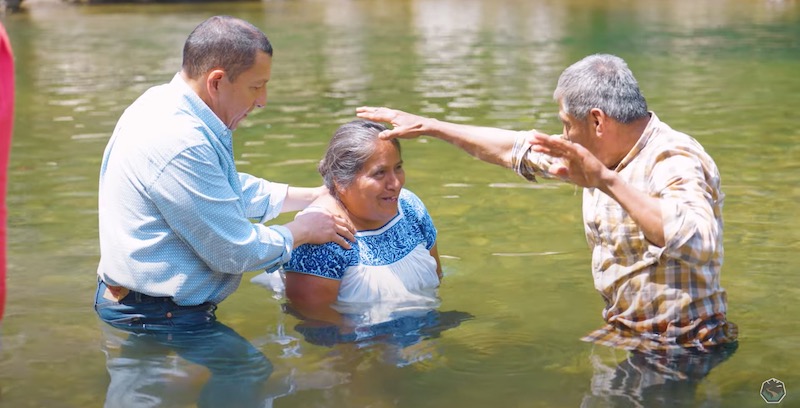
(223, 42)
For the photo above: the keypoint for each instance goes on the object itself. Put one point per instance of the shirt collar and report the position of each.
(199, 107)
(648, 132)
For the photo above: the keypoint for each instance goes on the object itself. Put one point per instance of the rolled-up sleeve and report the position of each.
(288, 244)
(527, 163)
(689, 208)
(263, 199)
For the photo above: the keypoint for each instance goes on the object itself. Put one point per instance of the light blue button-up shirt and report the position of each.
(175, 215)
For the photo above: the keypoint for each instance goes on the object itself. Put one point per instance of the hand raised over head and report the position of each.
(405, 125)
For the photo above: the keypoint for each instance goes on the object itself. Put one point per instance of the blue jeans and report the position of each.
(140, 312)
(155, 328)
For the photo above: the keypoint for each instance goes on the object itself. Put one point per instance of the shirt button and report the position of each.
(169, 315)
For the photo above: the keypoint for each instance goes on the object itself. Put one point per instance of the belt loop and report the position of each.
(138, 297)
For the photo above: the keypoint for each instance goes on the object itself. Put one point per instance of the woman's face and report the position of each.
(371, 199)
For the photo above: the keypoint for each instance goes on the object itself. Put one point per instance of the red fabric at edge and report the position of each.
(6, 124)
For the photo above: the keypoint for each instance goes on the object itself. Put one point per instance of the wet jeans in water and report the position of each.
(154, 332)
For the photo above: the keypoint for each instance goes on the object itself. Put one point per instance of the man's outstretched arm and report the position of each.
(492, 145)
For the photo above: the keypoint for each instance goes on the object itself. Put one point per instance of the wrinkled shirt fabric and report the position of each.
(175, 217)
(655, 297)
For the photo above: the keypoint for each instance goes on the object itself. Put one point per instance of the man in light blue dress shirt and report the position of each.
(175, 215)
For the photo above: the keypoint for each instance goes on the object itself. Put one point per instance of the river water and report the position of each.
(517, 294)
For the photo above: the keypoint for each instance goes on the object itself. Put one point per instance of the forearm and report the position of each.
(298, 198)
(492, 145)
(644, 209)
(301, 233)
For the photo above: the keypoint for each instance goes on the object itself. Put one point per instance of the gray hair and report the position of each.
(223, 42)
(349, 149)
(601, 81)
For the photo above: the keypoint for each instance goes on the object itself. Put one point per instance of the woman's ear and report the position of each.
(337, 190)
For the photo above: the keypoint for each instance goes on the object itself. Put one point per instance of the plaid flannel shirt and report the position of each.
(656, 297)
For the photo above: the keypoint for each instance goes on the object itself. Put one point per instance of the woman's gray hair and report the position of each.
(223, 42)
(349, 149)
(601, 81)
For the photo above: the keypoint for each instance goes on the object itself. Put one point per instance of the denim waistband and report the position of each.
(137, 297)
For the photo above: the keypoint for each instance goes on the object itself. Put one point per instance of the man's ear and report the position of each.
(213, 80)
(597, 119)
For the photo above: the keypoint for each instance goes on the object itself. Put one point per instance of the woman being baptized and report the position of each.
(394, 259)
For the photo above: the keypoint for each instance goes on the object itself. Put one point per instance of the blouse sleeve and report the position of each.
(326, 261)
(418, 212)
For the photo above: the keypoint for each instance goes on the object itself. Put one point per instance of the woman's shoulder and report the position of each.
(326, 260)
(330, 203)
(417, 217)
(410, 201)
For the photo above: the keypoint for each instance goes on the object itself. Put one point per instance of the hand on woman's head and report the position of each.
(364, 172)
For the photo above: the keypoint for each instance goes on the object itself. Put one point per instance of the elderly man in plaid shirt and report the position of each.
(652, 204)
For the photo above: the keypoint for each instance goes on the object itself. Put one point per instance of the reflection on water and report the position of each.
(724, 71)
(160, 369)
(353, 349)
(396, 334)
(649, 379)
(217, 367)
(395, 327)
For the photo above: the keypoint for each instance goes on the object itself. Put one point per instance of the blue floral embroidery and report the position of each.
(328, 261)
(389, 244)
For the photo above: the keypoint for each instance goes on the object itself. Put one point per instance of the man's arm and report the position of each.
(318, 226)
(266, 200)
(644, 209)
(298, 198)
(584, 169)
(196, 199)
(308, 222)
(492, 145)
